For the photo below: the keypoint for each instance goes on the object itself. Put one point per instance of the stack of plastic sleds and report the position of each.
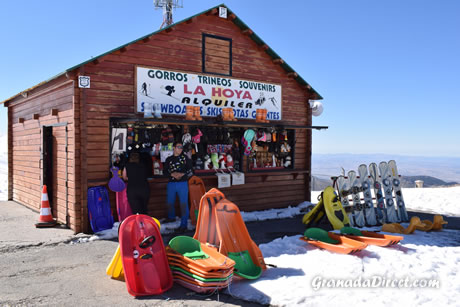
(198, 266)
(220, 224)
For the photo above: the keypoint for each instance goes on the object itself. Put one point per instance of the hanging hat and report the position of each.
(196, 136)
(261, 136)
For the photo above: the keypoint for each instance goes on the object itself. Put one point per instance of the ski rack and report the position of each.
(349, 192)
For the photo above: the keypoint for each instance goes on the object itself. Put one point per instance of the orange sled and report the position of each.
(206, 224)
(370, 237)
(236, 241)
(332, 242)
(196, 288)
(190, 251)
(197, 271)
(196, 190)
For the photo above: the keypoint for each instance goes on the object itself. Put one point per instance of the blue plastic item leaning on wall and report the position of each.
(100, 213)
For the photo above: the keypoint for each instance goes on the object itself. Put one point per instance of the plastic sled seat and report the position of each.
(204, 257)
(206, 231)
(245, 266)
(370, 237)
(145, 264)
(236, 241)
(332, 242)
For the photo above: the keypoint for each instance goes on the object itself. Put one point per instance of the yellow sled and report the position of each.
(415, 223)
(329, 205)
(115, 267)
(437, 223)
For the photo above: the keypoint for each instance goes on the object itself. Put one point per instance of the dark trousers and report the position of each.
(138, 198)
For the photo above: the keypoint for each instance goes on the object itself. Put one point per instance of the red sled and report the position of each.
(123, 206)
(143, 255)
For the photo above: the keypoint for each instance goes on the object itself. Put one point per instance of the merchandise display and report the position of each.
(211, 148)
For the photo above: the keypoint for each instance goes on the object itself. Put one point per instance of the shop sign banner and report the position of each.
(173, 91)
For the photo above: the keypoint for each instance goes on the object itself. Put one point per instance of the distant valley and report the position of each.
(434, 171)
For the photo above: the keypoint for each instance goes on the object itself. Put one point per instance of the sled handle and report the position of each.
(147, 242)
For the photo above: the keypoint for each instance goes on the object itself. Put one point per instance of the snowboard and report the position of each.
(380, 210)
(369, 211)
(358, 208)
(343, 191)
(392, 215)
(402, 212)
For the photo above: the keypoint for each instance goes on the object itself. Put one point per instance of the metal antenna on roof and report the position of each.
(167, 6)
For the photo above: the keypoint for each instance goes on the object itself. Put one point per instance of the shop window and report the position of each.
(217, 55)
(272, 149)
(209, 147)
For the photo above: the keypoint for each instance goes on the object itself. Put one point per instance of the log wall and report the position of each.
(51, 104)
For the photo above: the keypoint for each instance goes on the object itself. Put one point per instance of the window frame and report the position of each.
(203, 53)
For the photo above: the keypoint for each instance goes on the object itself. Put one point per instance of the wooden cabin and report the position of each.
(61, 131)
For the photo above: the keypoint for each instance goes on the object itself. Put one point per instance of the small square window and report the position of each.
(217, 55)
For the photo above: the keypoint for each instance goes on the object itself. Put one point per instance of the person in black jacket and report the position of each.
(179, 169)
(138, 191)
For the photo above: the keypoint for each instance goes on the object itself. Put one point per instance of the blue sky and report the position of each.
(388, 70)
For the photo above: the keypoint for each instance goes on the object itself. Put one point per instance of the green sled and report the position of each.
(244, 266)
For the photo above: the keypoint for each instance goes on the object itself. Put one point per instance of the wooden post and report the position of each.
(10, 154)
(83, 158)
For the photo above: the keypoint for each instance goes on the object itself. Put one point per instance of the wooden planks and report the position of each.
(217, 55)
(26, 167)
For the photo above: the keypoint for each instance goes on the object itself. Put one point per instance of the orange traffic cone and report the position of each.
(46, 218)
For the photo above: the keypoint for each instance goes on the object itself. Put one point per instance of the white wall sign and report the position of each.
(175, 90)
(222, 12)
(84, 81)
(119, 139)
